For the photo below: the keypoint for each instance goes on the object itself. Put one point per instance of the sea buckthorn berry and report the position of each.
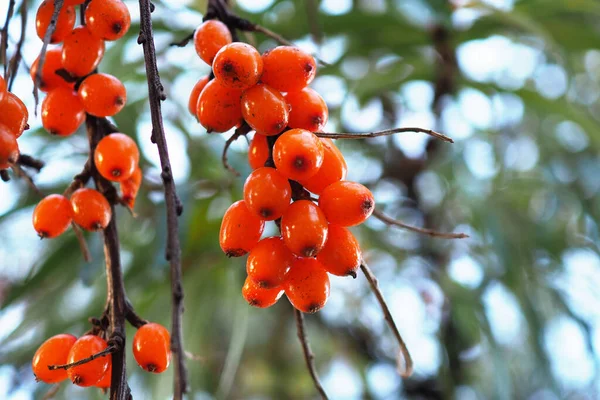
(209, 38)
(3, 90)
(104, 382)
(238, 65)
(64, 24)
(265, 110)
(267, 193)
(130, 187)
(116, 157)
(288, 68)
(52, 216)
(102, 95)
(219, 107)
(73, 2)
(307, 285)
(196, 90)
(304, 228)
(258, 296)
(62, 112)
(347, 203)
(54, 351)
(14, 114)
(258, 152)
(341, 255)
(52, 63)
(91, 210)
(308, 110)
(9, 149)
(298, 154)
(152, 347)
(90, 373)
(240, 230)
(107, 19)
(268, 262)
(81, 52)
(334, 169)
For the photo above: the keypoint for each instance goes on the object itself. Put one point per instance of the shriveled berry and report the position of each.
(9, 148)
(258, 152)
(267, 193)
(52, 216)
(130, 187)
(14, 114)
(308, 110)
(240, 230)
(304, 228)
(116, 157)
(347, 203)
(298, 154)
(334, 169)
(107, 19)
(307, 285)
(258, 296)
(209, 38)
(105, 381)
(152, 347)
(81, 52)
(64, 23)
(238, 65)
(62, 112)
(54, 351)
(341, 255)
(265, 110)
(268, 262)
(52, 63)
(219, 107)
(90, 373)
(196, 90)
(91, 210)
(102, 95)
(288, 68)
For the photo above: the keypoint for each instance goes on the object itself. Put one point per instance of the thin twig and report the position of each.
(241, 131)
(82, 243)
(132, 317)
(28, 161)
(391, 221)
(52, 392)
(103, 353)
(4, 34)
(17, 56)
(386, 132)
(275, 36)
(19, 172)
(309, 357)
(183, 42)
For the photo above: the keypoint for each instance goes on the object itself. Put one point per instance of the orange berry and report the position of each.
(62, 112)
(240, 230)
(219, 107)
(152, 347)
(106, 379)
(308, 110)
(258, 152)
(52, 63)
(73, 2)
(64, 24)
(196, 90)
(288, 68)
(267, 193)
(341, 255)
(265, 110)
(298, 154)
(116, 157)
(54, 351)
(102, 95)
(268, 262)
(258, 296)
(307, 285)
(90, 373)
(130, 187)
(9, 148)
(238, 65)
(91, 210)
(304, 228)
(3, 90)
(14, 114)
(81, 52)
(107, 19)
(347, 203)
(334, 169)
(209, 38)
(52, 216)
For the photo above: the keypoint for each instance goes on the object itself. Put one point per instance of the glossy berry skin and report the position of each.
(107, 19)
(104, 382)
(341, 255)
(152, 347)
(9, 149)
(14, 114)
(347, 203)
(258, 152)
(196, 90)
(91, 210)
(73, 2)
(333, 170)
(298, 154)
(268, 262)
(52, 63)
(116, 157)
(258, 296)
(307, 285)
(62, 112)
(81, 52)
(238, 65)
(90, 373)
(304, 228)
(219, 107)
(288, 69)
(267, 193)
(3, 90)
(265, 110)
(64, 24)
(240, 230)
(54, 351)
(209, 38)
(130, 187)
(52, 216)
(102, 95)
(308, 110)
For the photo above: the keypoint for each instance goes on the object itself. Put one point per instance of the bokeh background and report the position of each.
(513, 312)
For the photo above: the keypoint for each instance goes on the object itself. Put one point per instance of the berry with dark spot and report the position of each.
(304, 228)
(209, 38)
(298, 154)
(152, 347)
(52, 63)
(64, 23)
(219, 107)
(52, 216)
(258, 296)
(238, 65)
(307, 110)
(90, 208)
(107, 19)
(265, 110)
(81, 52)
(347, 203)
(54, 351)
(307, 285)
(102, 95)
(14, 114)
(116, 157)
(62, 112)
(288, 69)
(268, 262)
(267, 193)
(90, 373)
(240, 230)
(334, 169)
(341, 255)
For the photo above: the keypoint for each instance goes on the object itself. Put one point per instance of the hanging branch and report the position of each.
(309, 357)
(11, 74)
(386, 132)
(241, 131)
(391, 221)
(4, 34)
(109, 350)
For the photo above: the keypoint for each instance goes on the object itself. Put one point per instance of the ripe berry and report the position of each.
(107, 19)
(347, 203)
(334, 169)
(304, 228)
(219, 107)
(258, 296)
(52, 216)
(268, 262)
(240, 230)
(14, 114)
(116, 157)
(81, 52)
(102, 95)
(238, 65)
(152, 347)
(209, 38)
(307, 285)
(298, 154)
(196, 90)
(288, 69)
(307, 110)
(90, 373)
(62, 112)
(265, 110)
(341, 255)
(3, 90)
(52, 63)
(267, 193)
(73, 2)
(91, 210)
(258, 152)
(104, 382)
(54, 351)
(9, 149)
(64, 24)
(130, 187)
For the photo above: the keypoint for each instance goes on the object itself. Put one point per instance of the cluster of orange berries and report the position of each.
(13, 121)
(151, 350)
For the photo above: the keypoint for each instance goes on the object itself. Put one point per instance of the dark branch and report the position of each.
(21, 173)
(309, 357)
(15, 61)
(28, 161)
(4, 34)
(132, 317)
(183, 42)
(386, 132)
(103, 353)
(394, 222)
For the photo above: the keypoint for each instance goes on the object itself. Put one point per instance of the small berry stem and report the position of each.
(103, 353)
(394, 222)
(386, 132)
(241, 131)
(309, 357)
